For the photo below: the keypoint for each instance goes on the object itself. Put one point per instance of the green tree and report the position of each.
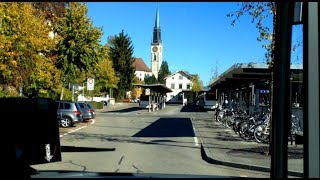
(150, 80)
(164, 72)
(196, 84)
(24, 45)
(259, 11)
(78, 49)
(104, 74)
(121, 54)
(51, 11)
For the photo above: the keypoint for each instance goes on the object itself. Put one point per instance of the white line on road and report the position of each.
(196, 141)
(195, 138)
(93, 121)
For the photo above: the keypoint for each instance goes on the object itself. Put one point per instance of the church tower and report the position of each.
(156, 47)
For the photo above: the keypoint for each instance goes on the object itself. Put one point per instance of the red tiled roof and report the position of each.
(140, 65)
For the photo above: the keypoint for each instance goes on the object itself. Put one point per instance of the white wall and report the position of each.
(142, 74)
(172, 97)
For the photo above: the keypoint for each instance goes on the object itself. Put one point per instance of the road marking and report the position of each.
(74, 130)
(196, 142)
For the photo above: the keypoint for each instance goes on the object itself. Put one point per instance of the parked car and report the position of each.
(69, 113)
(136, 100)
(87, 111)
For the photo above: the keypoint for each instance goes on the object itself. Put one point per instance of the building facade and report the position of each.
(141, 69)
(180, 83)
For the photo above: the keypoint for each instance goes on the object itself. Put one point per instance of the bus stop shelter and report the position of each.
(154, 96)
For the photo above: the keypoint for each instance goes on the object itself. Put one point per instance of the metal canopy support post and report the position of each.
(281, 106)
(257, 97)
(252, 95)
(311, 89)
(240, 98)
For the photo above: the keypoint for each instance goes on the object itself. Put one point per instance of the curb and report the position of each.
(208, 159)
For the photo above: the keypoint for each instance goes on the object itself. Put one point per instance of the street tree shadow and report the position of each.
(260, 152)
(131, 109)
(168, 127)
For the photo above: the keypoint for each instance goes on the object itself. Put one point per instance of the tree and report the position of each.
(121, 54)
(51, 11)
(104, 74)
(164, 72)
(260, 11)
(78, 48)
(137, 91)
(150, 79)
(24, 45)
(196, 84)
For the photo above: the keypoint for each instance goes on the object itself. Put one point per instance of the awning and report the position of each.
(158, 88)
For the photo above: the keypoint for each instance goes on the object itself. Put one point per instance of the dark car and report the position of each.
(87, 111)
(69, 113)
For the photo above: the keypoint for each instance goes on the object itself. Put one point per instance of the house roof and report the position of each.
(140, 65)
(184, 73)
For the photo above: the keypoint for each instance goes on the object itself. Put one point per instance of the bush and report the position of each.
(96, 105)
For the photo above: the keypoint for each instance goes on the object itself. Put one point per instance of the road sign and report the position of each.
(147, 92)
(90, 84)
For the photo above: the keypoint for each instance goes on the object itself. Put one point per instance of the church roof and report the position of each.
(140, 65)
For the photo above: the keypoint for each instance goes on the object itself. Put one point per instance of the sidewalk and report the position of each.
(223, 146)
(114, 107)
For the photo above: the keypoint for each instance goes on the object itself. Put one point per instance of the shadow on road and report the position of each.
(128, 139)
(168, 127)
(192, 108)
(131, 109)
(84, 149)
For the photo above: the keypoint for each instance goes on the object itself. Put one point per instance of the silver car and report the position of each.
(69, 113)
(87, 111)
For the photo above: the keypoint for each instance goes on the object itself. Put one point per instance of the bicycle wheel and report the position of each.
(261, 133)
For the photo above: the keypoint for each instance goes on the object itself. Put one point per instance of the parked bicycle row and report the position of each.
(252, 126)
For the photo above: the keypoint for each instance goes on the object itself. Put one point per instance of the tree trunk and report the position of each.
(61, 96)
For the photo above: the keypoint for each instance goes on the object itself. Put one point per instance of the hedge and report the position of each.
(96, 105)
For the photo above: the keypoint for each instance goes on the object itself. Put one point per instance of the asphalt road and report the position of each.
(132, 140)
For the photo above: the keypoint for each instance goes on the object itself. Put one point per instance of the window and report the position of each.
(171, 96)
(154, 57)
(180, 86)
(67, 106)
(180, 77)
(172, 77)
(188, 86)
(172, 86)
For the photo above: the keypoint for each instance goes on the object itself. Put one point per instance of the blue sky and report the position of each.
(195, 36)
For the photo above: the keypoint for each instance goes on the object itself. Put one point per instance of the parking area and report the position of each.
(65, 131)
